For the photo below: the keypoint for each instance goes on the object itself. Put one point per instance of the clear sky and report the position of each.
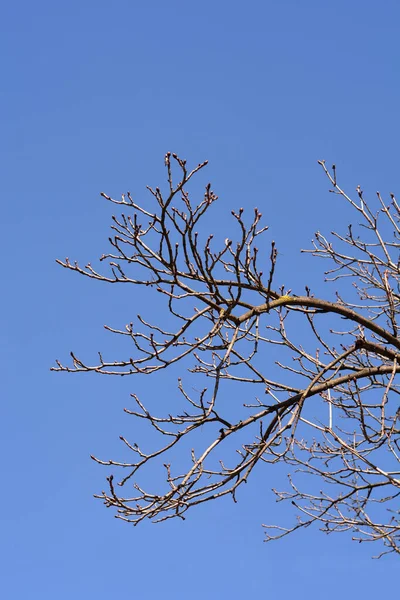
(93, 94)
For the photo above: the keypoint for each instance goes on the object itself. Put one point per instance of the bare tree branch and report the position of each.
(229, 322)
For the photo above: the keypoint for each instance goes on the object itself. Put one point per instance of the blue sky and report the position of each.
(93, 94)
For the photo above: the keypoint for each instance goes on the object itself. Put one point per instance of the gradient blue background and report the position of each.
(93, 94)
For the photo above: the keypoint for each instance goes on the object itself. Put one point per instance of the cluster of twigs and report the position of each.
(231, 324)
